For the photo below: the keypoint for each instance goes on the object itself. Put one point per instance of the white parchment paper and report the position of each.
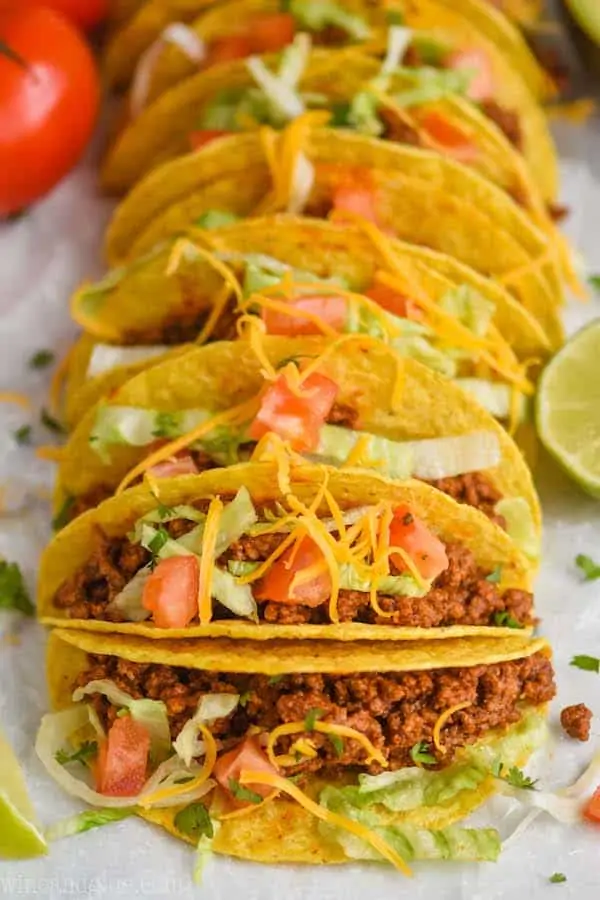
(42, 258)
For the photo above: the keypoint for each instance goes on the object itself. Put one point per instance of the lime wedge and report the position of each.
(19, 835)
(587, 15)
(568, 407)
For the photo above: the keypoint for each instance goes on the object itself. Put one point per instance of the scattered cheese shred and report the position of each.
(325, 815)
(186, 247)
(50, 453)
(59, 378)
(207, 560)
(218, 308)
(208, 765)
(441, 721)
(248, 810)
(373, 754)
(16, 398)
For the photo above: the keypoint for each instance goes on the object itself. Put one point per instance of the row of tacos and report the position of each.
(291, 584)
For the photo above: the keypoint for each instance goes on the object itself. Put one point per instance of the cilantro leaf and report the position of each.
(164, 511)
(557, 878)
(594, 281)
(590, 569)
(240, 792)
(158, 541)
(244, 698)
(41, 359)
(311, 717)
(23, 435)
(515, 777)
(166, 425)
(13, 591)
(338, 744)
(52, 424)
(87, 751)
(495, 576)
(587, 663)
(420, 755)
(505, 619)
(195, 821)
(275, 679)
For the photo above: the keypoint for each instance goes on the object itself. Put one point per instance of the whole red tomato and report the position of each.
(49, 98)
(85, 13)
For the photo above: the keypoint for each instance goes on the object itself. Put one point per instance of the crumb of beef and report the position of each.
(395, 710)
(397, 130)
(576, 721)
(506, 119)
(344, 415)
(185, 326)
(474, 489)
(558, 212)
(87, 501)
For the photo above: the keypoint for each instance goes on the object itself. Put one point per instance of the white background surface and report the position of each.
(42, 258)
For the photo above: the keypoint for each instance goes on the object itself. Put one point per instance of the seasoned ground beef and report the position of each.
(185, 326)
(397, 130)
(507, 121)
(576, 721)
(558, 212)
(395, 710)
(474, 489)
(462, 594)
(343, 415)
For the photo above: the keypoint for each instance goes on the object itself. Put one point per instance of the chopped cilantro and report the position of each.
(495, 576)
(394, 17)
(275, 679)
(23, 435)
(244, 698)
(505, 619)
(590, 569)
(158, 541)
(87, 751)
(340, 113)
(63, 516)
(557, 878)
(420, 755)
(587, 663)
(594, 281)
(185, 779)
(195, 821)
(41, 359)
(338, 744)
(52, 424)
(13, 591)
(164, 511)
(515, 777)
(166, 425)
(240, 792)
(311, 717)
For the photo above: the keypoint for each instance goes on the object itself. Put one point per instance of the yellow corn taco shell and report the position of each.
(72, 547)
(421, 197)
(517, 76)
(283, 831)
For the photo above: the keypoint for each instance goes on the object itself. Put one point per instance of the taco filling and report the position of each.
(370, 756)
(375, 565)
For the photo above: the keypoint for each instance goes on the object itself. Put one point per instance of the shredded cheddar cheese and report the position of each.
(248, 810)
(441, 721)
(373, 754)
(325, 815)
(207, 560)
(210, 758)
(59, 378)
(15, 397)
(50, 453)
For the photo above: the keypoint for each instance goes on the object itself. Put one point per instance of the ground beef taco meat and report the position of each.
(576, 721)
(394, 710)
(462, 595)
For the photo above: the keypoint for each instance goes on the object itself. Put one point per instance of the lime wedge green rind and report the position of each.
(19, 836)
(568, 408)
(587, 14)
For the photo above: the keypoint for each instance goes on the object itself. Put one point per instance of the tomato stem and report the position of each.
(11, 54)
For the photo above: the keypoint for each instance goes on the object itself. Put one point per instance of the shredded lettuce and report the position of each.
(216, 218)
(494, 396)
(234, 596)
(128, 602)
(432, 84)
(210, 708)
(470, 307)
(520, 524)
(316, 15)
(85, 821)
(362, 114)
(105, 357)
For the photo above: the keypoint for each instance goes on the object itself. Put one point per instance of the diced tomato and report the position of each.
(332, 310)
(199, 139)
(413, 536)
(393, 302)
(449, 137)
(356, 195)
(271, 32)
(592, 808)
(249, 757)
(226, 49)
(277, 584)
(474, 60)
(123, 758)
(297, 419)
(171, 592)
(179, 465)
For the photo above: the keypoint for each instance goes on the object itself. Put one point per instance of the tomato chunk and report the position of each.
(357, 196)
(592, 808)
(332, 310)
(393, 301)
(226, 49)
(297, 419)
(123, 758)
(424, 548)
(249, 757)
(449, 137)
(278, 584)
(171, 592)
(179, 465)
(474, 60)
(201, 138)
(272, 32)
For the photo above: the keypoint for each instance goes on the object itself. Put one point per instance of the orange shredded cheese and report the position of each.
(59, 377)
(210, 758)
(373, 754)
(248, 810)
(50, 453)
(218, 308)
(441, 721)
(207, 560)
(15, 397)
(325, 815)
(183, 246)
